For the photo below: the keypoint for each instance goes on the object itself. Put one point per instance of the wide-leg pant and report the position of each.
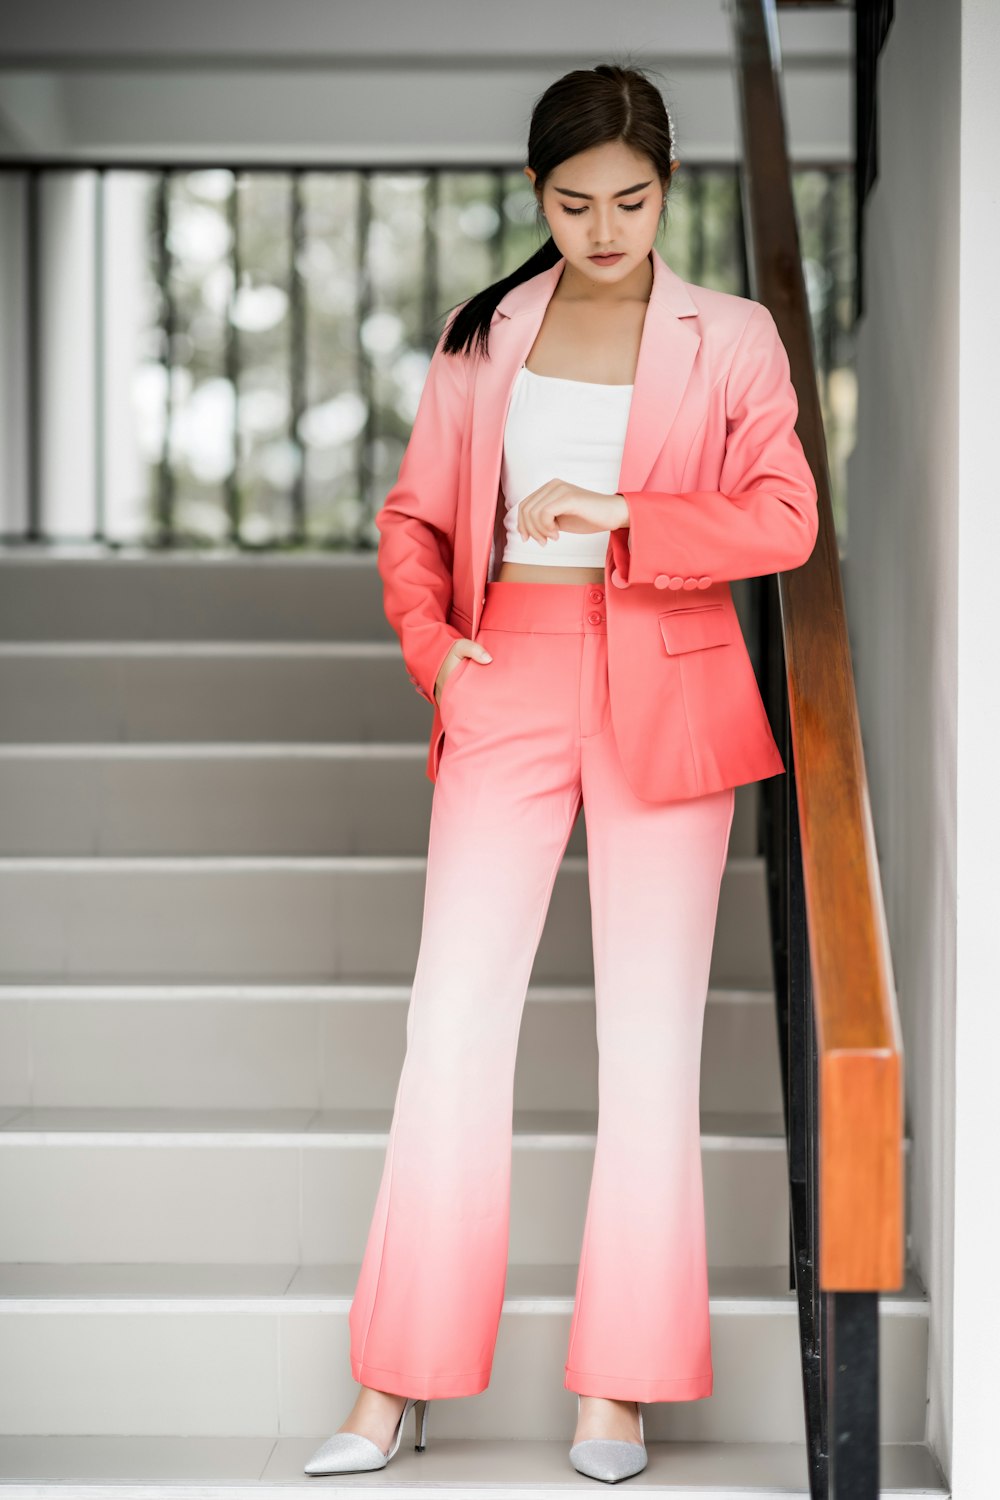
(528, 738)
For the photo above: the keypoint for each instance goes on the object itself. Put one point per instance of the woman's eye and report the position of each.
(630, 208)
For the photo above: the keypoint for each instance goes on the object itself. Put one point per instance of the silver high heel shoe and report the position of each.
(349, 1452)
(610, 1459)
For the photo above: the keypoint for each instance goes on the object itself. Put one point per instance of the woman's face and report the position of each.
(607, 199)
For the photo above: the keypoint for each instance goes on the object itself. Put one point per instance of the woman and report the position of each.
(640, 432)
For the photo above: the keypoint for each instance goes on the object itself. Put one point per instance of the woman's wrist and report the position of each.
(626, 514)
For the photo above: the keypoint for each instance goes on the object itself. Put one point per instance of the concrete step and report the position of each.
(229, 798)
(279, 920)
(316, 1046)
(235, 1468)
(211, 785)
(78, 593)
(254, 1350)
(216, 1185)
(194, 691)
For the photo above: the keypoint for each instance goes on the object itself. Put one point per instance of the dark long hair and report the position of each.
(585, 108)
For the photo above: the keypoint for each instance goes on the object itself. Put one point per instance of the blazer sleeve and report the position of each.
(764, 516)
(416, 523)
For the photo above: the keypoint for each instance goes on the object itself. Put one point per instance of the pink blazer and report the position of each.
(718, 489)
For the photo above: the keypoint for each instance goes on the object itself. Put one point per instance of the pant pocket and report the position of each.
(452, 683)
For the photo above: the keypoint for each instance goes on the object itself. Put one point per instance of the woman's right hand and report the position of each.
(462, 647)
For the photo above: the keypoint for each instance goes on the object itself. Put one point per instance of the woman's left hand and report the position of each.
(559, 506)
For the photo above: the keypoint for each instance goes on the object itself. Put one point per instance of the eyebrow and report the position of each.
(622, 194)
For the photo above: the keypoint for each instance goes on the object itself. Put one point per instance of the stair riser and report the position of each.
(195, 597)
(355, 692)
(244, 1373)
(345, 1054)
(139, 800)
(195, 920)
(322, 597)
(288, 1203)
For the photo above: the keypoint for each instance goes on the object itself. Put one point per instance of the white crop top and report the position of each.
(561, 429)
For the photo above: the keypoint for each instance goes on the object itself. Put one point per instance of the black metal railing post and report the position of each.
(838, 1331)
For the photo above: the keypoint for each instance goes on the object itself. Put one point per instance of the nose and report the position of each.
(604, 232)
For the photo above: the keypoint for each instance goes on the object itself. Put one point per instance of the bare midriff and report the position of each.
(513, 572)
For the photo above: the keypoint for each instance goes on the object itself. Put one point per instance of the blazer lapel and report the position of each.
(670, 341)
(667, 351)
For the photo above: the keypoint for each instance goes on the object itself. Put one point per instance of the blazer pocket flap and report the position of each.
(692, 629)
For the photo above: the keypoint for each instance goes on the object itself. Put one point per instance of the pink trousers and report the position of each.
(528, 739)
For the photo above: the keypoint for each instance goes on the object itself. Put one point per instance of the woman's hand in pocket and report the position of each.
(460, 648)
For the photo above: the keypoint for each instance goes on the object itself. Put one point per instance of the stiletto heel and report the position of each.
(350, 1452)
(609, 1459)
(420, 1425)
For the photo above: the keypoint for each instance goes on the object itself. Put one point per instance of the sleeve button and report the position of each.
(617, 578)
(676, 582)
(661, 580)
(704, 582)
(690, 583)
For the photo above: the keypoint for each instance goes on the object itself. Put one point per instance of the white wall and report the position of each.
(976, 1389)
(923, 535)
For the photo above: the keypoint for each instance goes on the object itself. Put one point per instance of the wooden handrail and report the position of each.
(858, 1037)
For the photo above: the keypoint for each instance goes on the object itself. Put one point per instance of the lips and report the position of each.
(606, 260)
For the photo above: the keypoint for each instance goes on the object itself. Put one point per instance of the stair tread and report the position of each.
(210, 1467)
(364, 987)
(304, 1285)
(293, 1126)
(157, 864)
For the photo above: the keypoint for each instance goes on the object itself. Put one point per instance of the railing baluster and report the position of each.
(100, 358)
(164, 519)
(33, 346)
(364, 370)
(297, 359)
(233, 498)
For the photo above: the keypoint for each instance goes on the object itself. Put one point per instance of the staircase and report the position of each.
(212, 789)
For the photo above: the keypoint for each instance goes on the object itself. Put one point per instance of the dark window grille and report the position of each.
(241, 365)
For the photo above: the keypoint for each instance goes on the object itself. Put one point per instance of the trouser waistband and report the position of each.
(557, 608)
